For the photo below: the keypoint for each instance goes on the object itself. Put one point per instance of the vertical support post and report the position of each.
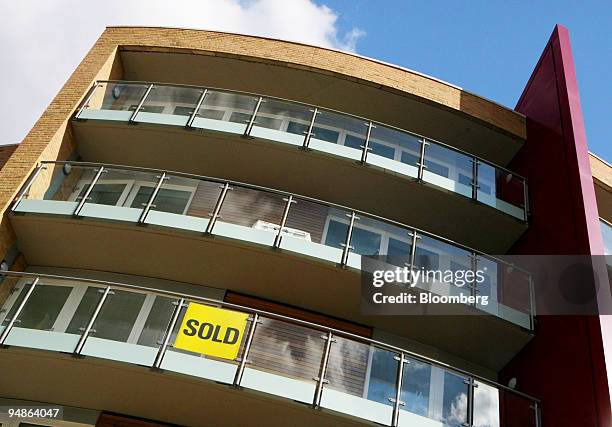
(421, 163)
(85, 104)
(27, 187)
(149, 204)
(349, 234)
(142, 100)
(168, 333)
(279, 235)
(470, 401)
(316, 402)
(397, 400)
(525, 201)
(245, 353)
(474, 267)
(215, 214)
(475, 178)
(88, 328)
(366, 144)
(538, 414)
(79, 207)
(532, 304)
(249, 128)
(194, 114)
(13, 320)
(309, 133)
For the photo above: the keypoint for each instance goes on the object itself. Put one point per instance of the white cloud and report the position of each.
(42, 41)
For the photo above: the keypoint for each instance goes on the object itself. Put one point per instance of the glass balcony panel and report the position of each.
(56, 189)
(184, 203)
(282, 121)
(117, 195)
(225, 111)
(251, 215)
(114, 101)
(10, 288)
(501, 189)
(432, 396)
(390, 244)
(157, 320)
(42, 321)
(170, 105)
(196, 364)
(284, 360)
(514, 410)
(448, 169)
(510, 292)
(118, 326)
(486, 406)
(417, 393)
(316, 230)
(338, 134)
(394, 150)
(435, 256)
(362, 379)
(85, 308)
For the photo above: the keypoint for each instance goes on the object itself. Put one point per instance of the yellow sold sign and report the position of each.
(212, 331)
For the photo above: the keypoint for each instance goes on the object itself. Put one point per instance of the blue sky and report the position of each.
(491, 47)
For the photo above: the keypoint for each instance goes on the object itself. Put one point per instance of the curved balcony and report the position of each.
(332, 371)
(293, 225)
(436, 176)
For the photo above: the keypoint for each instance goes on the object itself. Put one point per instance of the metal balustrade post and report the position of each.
(415, 238)
(215, 214)
(397, 400)
(79, 207)
(28, 186)
(537, 414)
(249, 128)
(474, 267)
(132, 119)
(247, 348)
(13, 319)
(149, 204)
(196, 110)
(88, 329)
(475, 185)
(279, 235)
(421, 163)
(366, 144)
(85, 104)
(525, 201)
(532, 303)
(349, 235)
(308, 134)
(316, 401)
(168, 333)
(470, 401)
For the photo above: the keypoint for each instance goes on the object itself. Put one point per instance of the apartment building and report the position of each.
(184, 230)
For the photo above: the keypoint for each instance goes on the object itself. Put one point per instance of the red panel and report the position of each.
(564, 363)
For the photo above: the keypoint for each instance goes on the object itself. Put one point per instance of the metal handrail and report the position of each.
(209, 88)
(110, 284)
(284, 193)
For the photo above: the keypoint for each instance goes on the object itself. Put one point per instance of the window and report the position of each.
(167, 199)
(181, 110)
(104, 193)
(364, 242)
(318, 132)
(264, 121)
